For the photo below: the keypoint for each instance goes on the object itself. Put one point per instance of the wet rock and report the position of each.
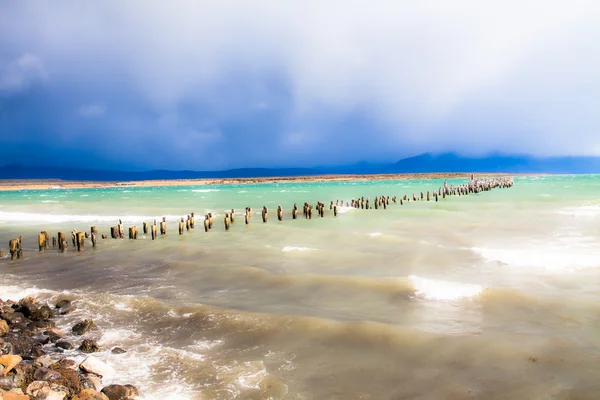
(90, 394)
(41, 339)
(8, 382)
(118, 350)
(43, 362)
(83, 327)
(121, 392)
(63, 304)
(45, 374)
(94, 366)
(13, 396)
(64, 363)
(89, 346)
(65, 311)
(41, 324)
(23, 375)
(54, 334)
(3, 328)
(36, 351)
(9, 361)
(41, 313)
(69, 379)
(14, 318)
(63, 344)
(41, 390)
(90, 381)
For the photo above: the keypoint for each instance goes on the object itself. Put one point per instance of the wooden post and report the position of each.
(279, 213)
(114, 232)
(227, 221)
(181, 226)
(192, 221)
(41, 241)
(376, 202)
(94, 229)
(247, 217)
(428, 196)
(210, 220)
(131, 233)
(93, 239)
(232, 216)
(309, 212)
(295, 211)
(14, 248)
(335, 211)
(163, 226)
(206, 223)
(145, 227)
(187, 223)
(53, 241)
(46, 239)
(80, 237)
(121, 233)
(62, 242)
(265, 214)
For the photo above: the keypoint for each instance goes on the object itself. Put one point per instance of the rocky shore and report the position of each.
(32, 366)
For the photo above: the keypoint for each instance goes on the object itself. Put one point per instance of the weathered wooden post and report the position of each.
(401, 202)
(295, 211)
(145, 227)
(62, 242)
(114, 232)
(192, 221)
(53, 241)
(210, 220)
(93, 240)
(279, 213)
(227, 221)
(247, 216)
(206, 223)
(187, 223)
(376, 203)
(132, 233)
(41, 241)
(428, 196)
(80, 237)
(265, 214)
(121, 232)
(335, 211)
(309, 212)
(14, 248)
(46, 239)
(384, 204)
(154, 230)
(436, 196)
(163, 226)
(181, 226)
(367, 205)
(232, 216)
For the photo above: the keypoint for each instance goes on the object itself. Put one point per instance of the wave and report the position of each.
(555, 256)
(50, 201)
(205, 190)
(22, 217)
(292, 248)
(581, 211)
(432, 289)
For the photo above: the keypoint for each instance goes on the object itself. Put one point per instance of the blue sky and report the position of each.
(227, 84)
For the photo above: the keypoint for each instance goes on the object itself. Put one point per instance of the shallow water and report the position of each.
(493, 295)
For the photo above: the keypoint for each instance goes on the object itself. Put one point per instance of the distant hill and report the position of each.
(419, 164)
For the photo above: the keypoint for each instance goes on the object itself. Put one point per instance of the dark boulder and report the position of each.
(46, 374)
(89, 346)
(121, 392)
(83, 327)
(118, 350)
(63, 344)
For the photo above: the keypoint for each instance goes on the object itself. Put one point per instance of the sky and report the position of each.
(229, 84)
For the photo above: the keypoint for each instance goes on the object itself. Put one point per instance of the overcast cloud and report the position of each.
(212, 85)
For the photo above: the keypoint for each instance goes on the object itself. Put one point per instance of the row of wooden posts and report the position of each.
(117, 232)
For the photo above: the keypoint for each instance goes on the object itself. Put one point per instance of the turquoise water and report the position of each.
(425, 300)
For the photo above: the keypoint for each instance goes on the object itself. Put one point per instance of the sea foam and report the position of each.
(432, 289)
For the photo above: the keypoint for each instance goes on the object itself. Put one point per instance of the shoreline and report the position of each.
(46, 184)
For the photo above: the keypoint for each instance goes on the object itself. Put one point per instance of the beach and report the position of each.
(489, 295)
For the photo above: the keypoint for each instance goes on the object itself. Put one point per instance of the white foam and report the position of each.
(205, 190)
(16, 293)
(22, 217)
(344, 209)
(554, 256)
(581, 211)
(375, 234)
(292, 248)
(432, 289)
(49, 201)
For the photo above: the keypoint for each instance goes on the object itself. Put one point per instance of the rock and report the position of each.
(69, 379)
(41, 313)
(89, 346)
(41, 339)
(90, 381)
(41, 390)
(43, 362)
(13, 317)
(96, 367)
(90, 394)
(64, 363)
(3, 328)
(82, 327)
(9, 361)
(13, 396)
(45, 374)
(63, 344)
(8, 382)
(65, 311)
(41, 324)
(54, 334)
(63, 303)
(118, 350)
(121, 392)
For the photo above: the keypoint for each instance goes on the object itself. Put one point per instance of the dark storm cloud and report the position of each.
(212, 85)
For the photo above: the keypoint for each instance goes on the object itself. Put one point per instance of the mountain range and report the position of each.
(424, 163)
